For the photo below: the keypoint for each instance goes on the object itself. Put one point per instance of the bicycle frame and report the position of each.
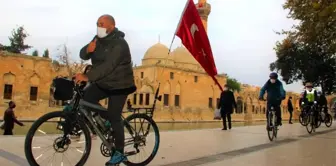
(88, 119)
(311, 113)
(271, 113)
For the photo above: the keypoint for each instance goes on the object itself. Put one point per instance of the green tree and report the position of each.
(35, 53)
(233, 84)
(17, 41)
(308, 52)
(317, 23)
(46, 53)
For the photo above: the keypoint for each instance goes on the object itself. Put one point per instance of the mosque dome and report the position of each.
(182, 55)
(157, 51)
(157, 54)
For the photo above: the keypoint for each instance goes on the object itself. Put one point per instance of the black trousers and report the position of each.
(8, 132)
(228, 116)
(290, 115)
(116, 102)
(277, 109)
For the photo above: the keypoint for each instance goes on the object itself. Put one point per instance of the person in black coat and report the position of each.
(290, 109)
(322, 102)
(10, 119)
(226, 104)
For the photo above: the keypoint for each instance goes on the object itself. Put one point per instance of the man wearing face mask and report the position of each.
(310, 98)
(10, 119)
(275, 94)
(111, 77)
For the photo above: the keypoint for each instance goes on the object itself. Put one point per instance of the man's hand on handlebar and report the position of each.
(261, 99)
(79, 77)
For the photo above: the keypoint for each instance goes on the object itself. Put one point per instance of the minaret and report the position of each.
(204, 10)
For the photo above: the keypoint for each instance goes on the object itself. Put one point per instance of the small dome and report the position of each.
(157, 51)
(182, 55)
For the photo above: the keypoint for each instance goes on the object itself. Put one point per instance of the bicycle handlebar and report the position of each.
(81, 85)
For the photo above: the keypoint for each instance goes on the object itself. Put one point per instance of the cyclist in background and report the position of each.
(275, 94)
(322, 102)
(310, 98)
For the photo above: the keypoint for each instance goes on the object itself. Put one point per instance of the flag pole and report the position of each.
(178, 25)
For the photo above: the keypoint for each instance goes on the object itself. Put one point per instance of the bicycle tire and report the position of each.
(270, 133)
(319, 122)
(29, 137)
(157, 138)
(275, 128)
(311, 124)
(328, 120)
(301, 119)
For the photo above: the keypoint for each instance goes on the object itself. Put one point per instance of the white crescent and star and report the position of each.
(193, 29)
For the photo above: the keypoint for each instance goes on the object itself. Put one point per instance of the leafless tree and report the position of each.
(64, 58)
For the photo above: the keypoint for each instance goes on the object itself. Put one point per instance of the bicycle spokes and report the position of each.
(50, 146)
(139, 139)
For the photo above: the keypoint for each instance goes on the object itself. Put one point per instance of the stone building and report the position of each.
(188, 93)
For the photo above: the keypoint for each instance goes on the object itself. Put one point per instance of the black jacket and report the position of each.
(305, 100)
(322, 101)
(10, 119)
(290, 105)
(227, 102)
(111, 62)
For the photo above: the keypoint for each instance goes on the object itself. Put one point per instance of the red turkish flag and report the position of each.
(194, 37)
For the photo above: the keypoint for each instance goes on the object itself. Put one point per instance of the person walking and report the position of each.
(226, 103)
(290, 109)
(10, 119)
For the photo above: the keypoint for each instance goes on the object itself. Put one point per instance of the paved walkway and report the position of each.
(242, 146)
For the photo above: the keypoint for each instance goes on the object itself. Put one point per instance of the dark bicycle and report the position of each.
(303, 117)
(311, 121)
(68, 128)
(272, 124)
(325, 117)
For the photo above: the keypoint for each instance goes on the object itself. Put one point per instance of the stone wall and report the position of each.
(24, 72)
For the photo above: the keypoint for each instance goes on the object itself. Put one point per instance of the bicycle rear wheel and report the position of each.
(53, 133)
(139, 140)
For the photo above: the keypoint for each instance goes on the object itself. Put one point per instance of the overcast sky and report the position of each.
(241, 32)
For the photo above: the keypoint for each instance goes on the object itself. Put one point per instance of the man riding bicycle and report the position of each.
(275, 94)
(322, 102)
(111, 77)
(310, 98)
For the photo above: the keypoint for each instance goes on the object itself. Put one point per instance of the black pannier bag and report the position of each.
(63, 89)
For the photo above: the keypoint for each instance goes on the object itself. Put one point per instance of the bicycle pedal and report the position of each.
(130, 153)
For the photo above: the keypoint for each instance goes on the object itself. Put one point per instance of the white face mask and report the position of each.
(101, 32)
(273, 81)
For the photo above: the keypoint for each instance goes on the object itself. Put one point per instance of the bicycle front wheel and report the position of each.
(328, 120)
(319, 122)
(310, 125)
(142, 139)
(47, 143)
(270, 132)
